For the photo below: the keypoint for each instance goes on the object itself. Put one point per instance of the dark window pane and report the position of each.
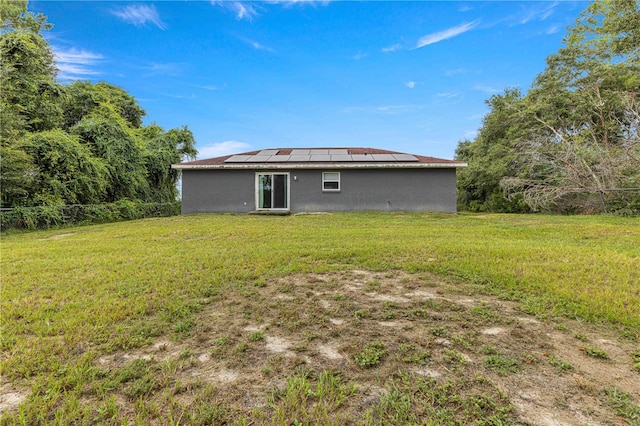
(331, 185)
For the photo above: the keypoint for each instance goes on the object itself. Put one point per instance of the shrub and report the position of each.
(46, 217)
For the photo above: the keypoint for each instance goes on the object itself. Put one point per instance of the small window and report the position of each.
(331, 181)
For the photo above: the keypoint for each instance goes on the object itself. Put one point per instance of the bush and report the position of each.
(46, 217)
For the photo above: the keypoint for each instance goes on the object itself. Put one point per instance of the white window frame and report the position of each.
(325, 180)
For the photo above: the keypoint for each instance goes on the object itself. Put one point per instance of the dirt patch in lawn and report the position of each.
(387, 338)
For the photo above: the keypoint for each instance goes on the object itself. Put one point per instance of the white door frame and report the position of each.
(288, 190)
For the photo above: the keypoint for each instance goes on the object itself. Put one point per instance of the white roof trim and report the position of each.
(298, 166)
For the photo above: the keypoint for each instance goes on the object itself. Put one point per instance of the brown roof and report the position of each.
(406, 160)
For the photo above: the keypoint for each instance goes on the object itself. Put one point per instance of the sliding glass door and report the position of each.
(272, 191)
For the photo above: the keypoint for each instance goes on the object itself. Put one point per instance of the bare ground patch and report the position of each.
(385, 339)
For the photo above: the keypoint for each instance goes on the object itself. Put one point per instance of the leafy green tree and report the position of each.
(28, 95)
(571, 144)
(66, 171)
(582, 152)
(83, 98)
(163, 150)
(79, 143)
(491, 156)
(109, 137)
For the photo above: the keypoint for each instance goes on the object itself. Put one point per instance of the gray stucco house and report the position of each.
(319, 180)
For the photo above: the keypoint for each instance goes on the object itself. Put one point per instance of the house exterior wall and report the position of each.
(424, 189)
(206, 191)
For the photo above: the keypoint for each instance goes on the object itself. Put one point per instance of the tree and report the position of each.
(581, 153)
(66, 171)
(29, 95)
(83, 98)
(28, 99)
(491, 156)
(80, 143)
(108, 137)
(163, 150)
(572, 140)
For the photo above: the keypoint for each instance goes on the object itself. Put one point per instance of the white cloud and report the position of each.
(259, 46)
(256, 45)
(139, 15)
(486, 89)
(359, 56)
(74, 64)
(411, 84)
(537, 13)
(392, 48)
(169, 68)
(445, 34)
(384, 109)
(447, 95)
(553, 29)
(288, 3)
(242, 10)
(212, 88)
(181, 96)
(219, 149)
(249, 10)
(449, 73)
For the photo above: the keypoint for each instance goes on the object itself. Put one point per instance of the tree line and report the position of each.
(571, 143)
(79, 143)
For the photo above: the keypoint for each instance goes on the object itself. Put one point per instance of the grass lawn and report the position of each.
(73, 297)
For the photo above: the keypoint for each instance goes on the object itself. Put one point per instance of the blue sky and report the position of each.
(408, 76)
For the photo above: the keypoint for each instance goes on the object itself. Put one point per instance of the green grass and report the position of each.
(69, 296)
(624, 407)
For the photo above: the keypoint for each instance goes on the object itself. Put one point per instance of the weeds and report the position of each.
(501, 364)
(450, 402)
(256, 336)
(635, 356)
(307, 397)
(370, 355)
(440, 331)
(595, 352)
(623, 405)
(489, 350)
(562, 365)
(455, 358)
(362, 313)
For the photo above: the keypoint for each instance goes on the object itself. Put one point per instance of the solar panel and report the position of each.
(278, 158)
(237, 159)
(361, 157)
(317, 155)
(299, 157)
(341, 157)
(404, 157)
(383, 157)
(258, 159)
